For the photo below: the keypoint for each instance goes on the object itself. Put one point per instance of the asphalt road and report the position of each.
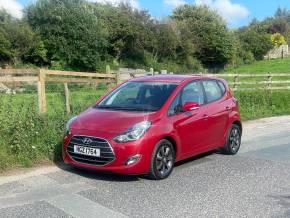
(255, 183)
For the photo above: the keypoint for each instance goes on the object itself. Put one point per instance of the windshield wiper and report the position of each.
(137, 109)
(124, 108)
(104, 107)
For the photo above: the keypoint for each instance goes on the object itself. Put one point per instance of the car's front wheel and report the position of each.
(233, 142)
(162, 161)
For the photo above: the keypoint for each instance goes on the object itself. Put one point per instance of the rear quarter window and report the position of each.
(212, 90)
(222, 86)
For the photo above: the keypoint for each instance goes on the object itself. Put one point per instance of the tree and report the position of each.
(139, 35)
(5, 48)
(280, 12)
(205, 33)
(167, 41)
(278, 39)
(256, 43)
(18, 41)
(71, 33)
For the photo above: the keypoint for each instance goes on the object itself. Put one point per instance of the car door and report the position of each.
(217, 112)
(191, 126)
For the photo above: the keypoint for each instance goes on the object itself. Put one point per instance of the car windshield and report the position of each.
(138, 96)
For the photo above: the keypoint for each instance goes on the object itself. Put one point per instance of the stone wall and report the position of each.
(280, 52)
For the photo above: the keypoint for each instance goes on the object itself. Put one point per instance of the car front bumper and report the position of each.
(122, 153)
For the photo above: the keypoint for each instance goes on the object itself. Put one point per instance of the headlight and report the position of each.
(134, 133)
(68, 124)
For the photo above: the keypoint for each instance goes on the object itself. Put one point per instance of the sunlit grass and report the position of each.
(264, 66)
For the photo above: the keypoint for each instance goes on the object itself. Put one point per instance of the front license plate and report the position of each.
(95, 152)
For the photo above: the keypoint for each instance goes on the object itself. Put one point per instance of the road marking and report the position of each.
(41, 194)
(35, 172)
(79, 206)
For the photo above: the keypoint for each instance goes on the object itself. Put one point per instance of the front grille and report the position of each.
(107, 155)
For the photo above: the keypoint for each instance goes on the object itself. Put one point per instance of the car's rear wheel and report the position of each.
(233, 142)
(162, 161)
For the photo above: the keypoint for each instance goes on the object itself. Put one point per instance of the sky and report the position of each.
(237, 13)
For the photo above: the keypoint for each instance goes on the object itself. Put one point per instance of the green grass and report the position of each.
(259, 104)
(263, 103)
(264, 66)
(27, 138)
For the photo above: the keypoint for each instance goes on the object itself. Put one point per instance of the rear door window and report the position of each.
(192, 92)
(212, 90)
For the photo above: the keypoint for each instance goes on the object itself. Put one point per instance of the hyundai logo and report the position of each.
(87, 141)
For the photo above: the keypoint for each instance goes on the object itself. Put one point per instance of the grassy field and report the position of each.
(277, 66)
(273, 66)
(258, 104)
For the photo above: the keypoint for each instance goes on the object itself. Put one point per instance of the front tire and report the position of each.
(162, 160)
(233, 142)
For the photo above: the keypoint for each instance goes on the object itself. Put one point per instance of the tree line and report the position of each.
(86, 36)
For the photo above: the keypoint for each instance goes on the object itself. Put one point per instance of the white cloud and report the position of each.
(133, 3)
(12, 7)
(231, 12)
(174, 3)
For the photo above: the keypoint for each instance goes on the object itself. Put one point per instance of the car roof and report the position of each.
(170, 78)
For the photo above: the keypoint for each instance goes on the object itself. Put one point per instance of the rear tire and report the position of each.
(162, 160)
(233, 142)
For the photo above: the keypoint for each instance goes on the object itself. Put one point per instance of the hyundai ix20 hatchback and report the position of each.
(147, 124)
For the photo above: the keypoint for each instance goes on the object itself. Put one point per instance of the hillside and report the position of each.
(273, 66)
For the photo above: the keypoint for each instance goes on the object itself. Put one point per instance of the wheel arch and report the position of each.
(239, 123)
(173, 142)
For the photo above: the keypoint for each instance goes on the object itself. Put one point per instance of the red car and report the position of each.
(147, 124)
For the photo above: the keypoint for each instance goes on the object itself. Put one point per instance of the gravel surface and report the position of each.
(255, 183)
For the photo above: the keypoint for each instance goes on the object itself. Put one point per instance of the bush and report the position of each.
(28, 138)
(251, 40)
(204, 35)
(278, 39)
(258, 104)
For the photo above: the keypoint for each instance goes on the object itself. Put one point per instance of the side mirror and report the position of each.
(190, 106)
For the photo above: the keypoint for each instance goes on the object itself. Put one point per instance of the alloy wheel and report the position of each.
(164, 160)
(235, 139)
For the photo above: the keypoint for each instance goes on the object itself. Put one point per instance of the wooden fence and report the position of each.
(41, 76)
(264, 81)
(240, 82)
(268, 81)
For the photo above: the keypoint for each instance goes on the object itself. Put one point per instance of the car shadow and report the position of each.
(97, 175)
(110, 176)
(196, 160)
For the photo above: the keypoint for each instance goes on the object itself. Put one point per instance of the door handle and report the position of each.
(228, 108)
(205, 116)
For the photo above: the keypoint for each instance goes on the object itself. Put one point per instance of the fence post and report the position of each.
(118, 78)
(41, 92)
(236, 77)
(108, 69)
(67, 102)
(152, 71)
(269, 80)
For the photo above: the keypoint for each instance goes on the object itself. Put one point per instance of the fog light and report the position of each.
(133, 159)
